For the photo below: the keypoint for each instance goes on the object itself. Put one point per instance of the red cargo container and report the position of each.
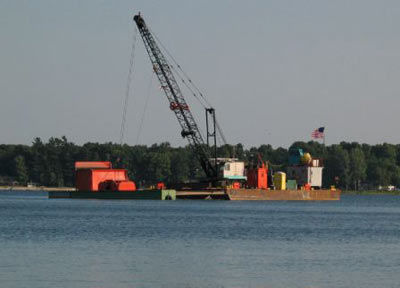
(89, 179)
(111, 185)
(98, 176)
(257, 178)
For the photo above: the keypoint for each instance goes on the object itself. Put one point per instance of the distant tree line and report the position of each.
(347, 165)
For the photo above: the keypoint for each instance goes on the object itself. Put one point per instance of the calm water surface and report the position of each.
(97, 243)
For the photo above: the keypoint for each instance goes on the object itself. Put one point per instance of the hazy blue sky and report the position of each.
(274, 70)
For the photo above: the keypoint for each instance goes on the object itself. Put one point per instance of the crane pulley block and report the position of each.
(186, 133)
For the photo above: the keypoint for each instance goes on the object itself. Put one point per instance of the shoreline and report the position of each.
(41, 188)
(372, 192)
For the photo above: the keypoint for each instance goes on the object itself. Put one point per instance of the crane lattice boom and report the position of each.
(175, 97)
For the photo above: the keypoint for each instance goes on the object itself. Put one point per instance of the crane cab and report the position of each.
(230, 169)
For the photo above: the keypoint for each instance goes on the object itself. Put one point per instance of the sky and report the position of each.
(273, 70)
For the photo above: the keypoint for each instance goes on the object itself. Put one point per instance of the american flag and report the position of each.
(318, 133)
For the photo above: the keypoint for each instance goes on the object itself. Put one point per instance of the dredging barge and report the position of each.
(97, 180)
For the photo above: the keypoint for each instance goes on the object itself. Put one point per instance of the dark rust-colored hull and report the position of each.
(285, 195)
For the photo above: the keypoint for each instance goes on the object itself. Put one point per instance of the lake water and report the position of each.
(96, 243)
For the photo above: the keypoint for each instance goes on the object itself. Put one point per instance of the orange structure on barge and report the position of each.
(99, 176)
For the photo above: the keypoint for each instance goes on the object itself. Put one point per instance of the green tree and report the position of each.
(358, 167)
(21, 170)
(158, 163)
(337, 164)
(180, 169)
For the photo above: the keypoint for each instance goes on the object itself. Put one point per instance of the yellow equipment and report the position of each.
(306, 159)
(280, 181)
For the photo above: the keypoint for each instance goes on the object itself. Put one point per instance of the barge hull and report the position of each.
(227, 194)
(163, 194)
(283, 195)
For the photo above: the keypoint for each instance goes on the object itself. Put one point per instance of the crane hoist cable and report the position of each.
(205, 106)
(180, 68)
(145, 107)
(177, 102)
(128, 85)
(187, 86)
(208, 104)
(221, 134)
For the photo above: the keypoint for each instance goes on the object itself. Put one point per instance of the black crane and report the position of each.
(177, 102)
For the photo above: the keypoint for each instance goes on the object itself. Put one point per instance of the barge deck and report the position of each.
(220, 194)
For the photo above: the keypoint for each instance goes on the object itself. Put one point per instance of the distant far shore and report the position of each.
(372, 192)
(41, 188)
